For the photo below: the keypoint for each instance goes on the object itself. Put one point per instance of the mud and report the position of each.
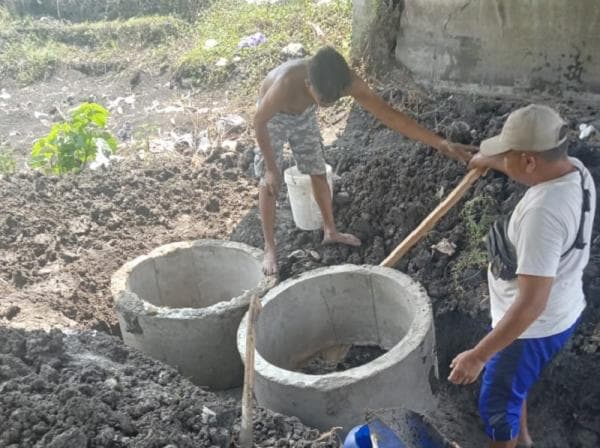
(338, 359)
(386, 185)
(71, 390)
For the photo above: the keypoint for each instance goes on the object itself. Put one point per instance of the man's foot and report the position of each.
(270, 263)
(524, 441)
(341, 238)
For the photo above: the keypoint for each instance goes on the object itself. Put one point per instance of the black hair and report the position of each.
(560, 152)
(329, 74)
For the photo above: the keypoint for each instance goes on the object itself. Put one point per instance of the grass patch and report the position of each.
(7, 24)
(32, 50)
(228, 21)
(139, 32)
(85, 10)
(29, 59)
(8, 163)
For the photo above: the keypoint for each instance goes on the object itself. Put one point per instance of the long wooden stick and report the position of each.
(246, 437)
(437, 214)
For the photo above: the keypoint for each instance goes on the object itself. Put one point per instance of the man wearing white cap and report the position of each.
(537, 257)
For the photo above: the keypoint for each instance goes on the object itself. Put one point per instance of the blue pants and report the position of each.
(507, 378)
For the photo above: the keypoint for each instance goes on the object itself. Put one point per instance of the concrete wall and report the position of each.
(496, 46)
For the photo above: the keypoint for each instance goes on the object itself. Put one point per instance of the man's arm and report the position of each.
(402, 123)
(531, 301)
(269, 105)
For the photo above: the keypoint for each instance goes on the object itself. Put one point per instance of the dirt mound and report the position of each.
(62, 238)
(386, 185)
(87, 389)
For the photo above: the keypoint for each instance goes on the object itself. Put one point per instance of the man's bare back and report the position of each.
(293, 88)
(289, 78)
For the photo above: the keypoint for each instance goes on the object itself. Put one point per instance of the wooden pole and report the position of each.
(246, 437)
(431, 220)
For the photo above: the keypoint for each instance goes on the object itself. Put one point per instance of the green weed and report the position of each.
(71, 144)
(29, 59)
(8, 164)
(478, 215)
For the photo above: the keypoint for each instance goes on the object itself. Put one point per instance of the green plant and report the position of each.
(8, 164)
(477, 216)
(71, 144)
(142, 136)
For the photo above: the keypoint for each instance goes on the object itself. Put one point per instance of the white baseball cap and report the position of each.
(533, 128)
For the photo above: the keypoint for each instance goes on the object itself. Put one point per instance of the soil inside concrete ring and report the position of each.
(339, 358)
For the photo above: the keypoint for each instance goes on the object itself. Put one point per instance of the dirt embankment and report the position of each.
(386, 185)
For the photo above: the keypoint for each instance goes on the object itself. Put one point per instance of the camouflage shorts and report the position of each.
(303, 134)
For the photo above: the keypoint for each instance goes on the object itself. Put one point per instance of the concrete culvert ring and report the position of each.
(344, 305)
(182, 304)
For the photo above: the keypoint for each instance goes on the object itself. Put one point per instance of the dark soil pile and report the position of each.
(75, 390)
(353, 356)
(62, 238)
(386, 185)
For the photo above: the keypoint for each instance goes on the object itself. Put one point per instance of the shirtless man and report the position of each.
(286, 112)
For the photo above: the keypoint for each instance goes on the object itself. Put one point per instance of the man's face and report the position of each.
(519, 165)
(317, 97)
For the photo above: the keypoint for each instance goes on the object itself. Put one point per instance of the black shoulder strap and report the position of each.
(585, 207)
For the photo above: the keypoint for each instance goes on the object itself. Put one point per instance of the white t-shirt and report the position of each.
(542, 227)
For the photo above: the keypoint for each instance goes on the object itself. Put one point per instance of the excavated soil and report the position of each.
(61, 240)
(385, 185)
(86, 389)
(338, 359)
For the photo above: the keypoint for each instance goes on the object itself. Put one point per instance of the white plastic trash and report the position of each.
(305, 211)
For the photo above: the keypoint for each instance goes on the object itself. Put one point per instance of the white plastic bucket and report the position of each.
(305, 211)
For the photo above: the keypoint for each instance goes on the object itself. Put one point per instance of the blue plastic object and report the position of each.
(358, 437)
(397, 428)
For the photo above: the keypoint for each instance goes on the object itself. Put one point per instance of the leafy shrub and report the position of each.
(71, 144)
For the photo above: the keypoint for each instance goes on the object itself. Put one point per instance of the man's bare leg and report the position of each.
(509, 444)
(524, 439)
(267, 205)
(322, 195)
